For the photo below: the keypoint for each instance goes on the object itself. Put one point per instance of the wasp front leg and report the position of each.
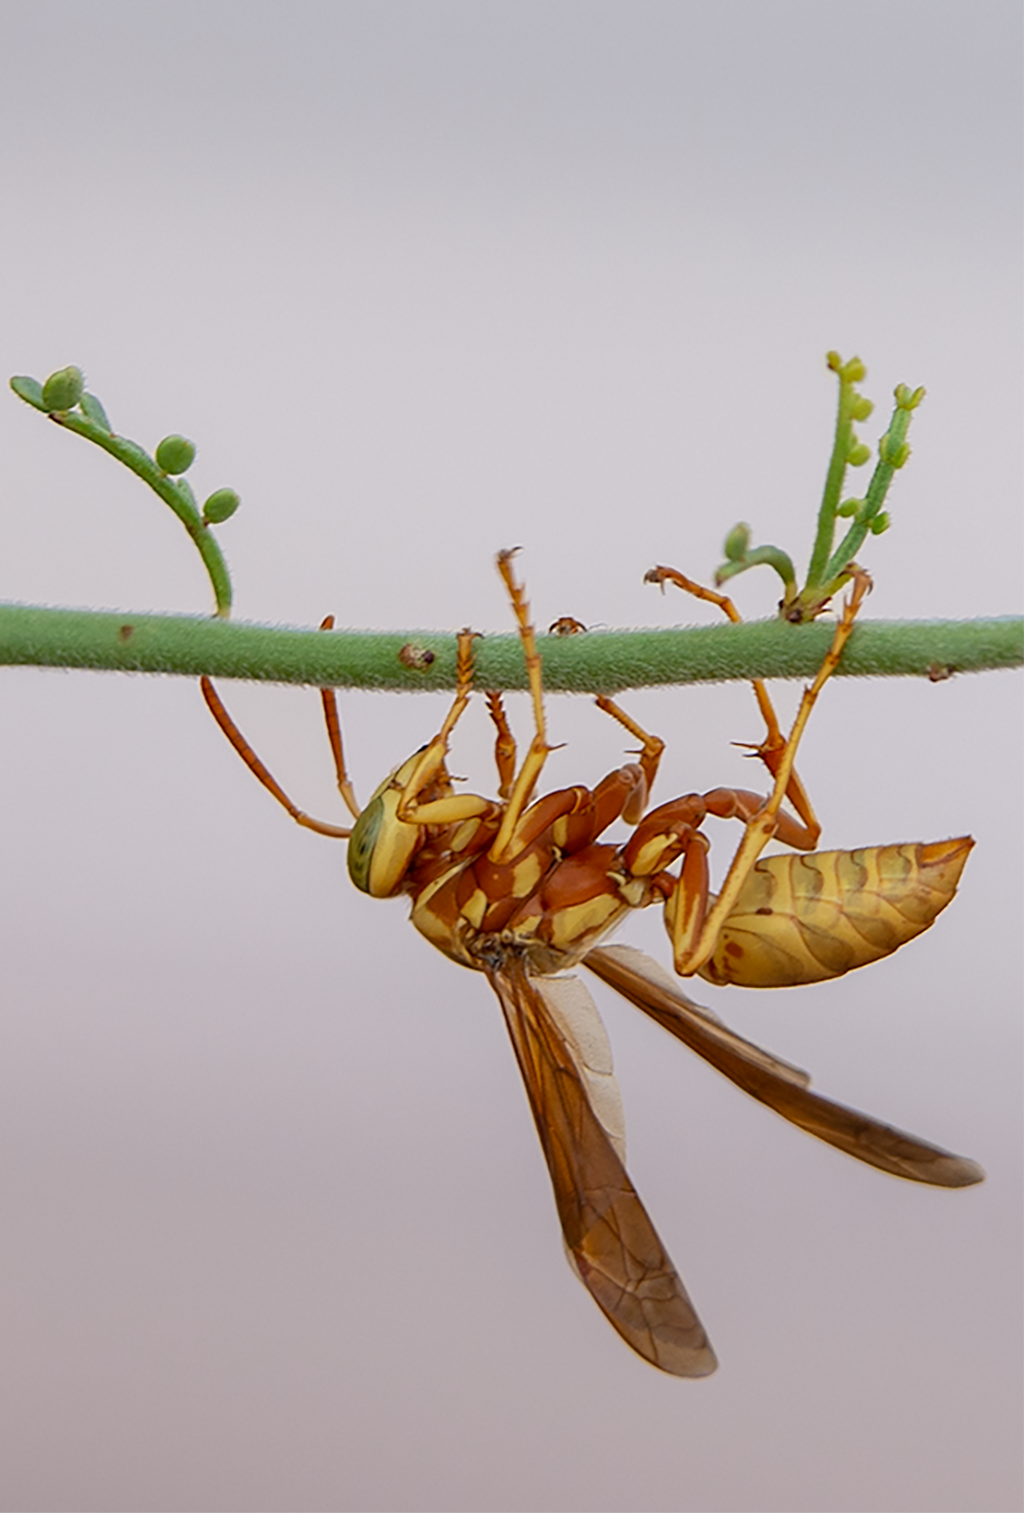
(650, 753)
(263, 774)
(333, 722)
(533, 763)
(393, 828)
(504, 745)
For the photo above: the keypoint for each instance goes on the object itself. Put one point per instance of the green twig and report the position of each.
(829, 570)
(63, 399)
(597, 662)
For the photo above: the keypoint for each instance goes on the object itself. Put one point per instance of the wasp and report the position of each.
(524, 889)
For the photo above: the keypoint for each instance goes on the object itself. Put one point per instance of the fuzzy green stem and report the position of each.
(891, 455)
(833, 478)
(177, 495)
(597, 662)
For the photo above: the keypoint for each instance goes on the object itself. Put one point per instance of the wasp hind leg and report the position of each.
(764, 823)
(774, 744)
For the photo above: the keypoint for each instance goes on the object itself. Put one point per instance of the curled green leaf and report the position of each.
(94, 411)
(767, 556)
(736, 543)
(185, 490)
(30, 390)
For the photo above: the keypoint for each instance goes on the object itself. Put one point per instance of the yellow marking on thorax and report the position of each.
(463, 835)
(475, 908)
(526, 874)
(577, 926)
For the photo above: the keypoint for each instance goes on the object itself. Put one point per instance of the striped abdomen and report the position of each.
(807, 918)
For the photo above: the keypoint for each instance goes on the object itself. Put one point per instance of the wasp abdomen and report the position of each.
(802, 919)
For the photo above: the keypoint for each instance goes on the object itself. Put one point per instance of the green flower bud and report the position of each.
(858, 454)
(908, 399)
(850, 372)
(895, 454)
(736, 543)
(880, 523)
(63, 389)
(220, 506)
(850, 508)
(175, 454)
(861, 408)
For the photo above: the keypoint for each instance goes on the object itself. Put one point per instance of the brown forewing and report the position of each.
(614, 1245)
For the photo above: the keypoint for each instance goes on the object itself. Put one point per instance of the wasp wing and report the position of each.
(613, 1245)
(773, 1082)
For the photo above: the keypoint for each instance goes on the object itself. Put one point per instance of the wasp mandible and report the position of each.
(523, 889)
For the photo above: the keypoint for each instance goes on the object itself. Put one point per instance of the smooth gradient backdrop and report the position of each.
(424, 280)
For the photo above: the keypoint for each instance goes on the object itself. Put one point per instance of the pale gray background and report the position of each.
(424, 280)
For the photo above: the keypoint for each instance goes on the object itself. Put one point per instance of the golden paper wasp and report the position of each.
(524, 889)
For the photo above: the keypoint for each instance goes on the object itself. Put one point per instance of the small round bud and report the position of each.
(63, 389)
(880, 523)
(220, 506)
(893, 453)
(849, 508)
(908, 399)
(175, 454)
(858, 454)
(736, 543)
(861, 408)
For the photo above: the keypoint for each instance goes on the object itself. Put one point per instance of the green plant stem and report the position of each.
(885, 472)
(595, 662)
(177, 495)
(825, 532)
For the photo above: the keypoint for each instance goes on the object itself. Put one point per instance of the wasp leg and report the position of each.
(333, 723)
(533, 763)
(504, 745)
(687, 904)
(651, 748)
(259, 771)
(431, 758)
(622, 794)
(771, 748)
(765, 822)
